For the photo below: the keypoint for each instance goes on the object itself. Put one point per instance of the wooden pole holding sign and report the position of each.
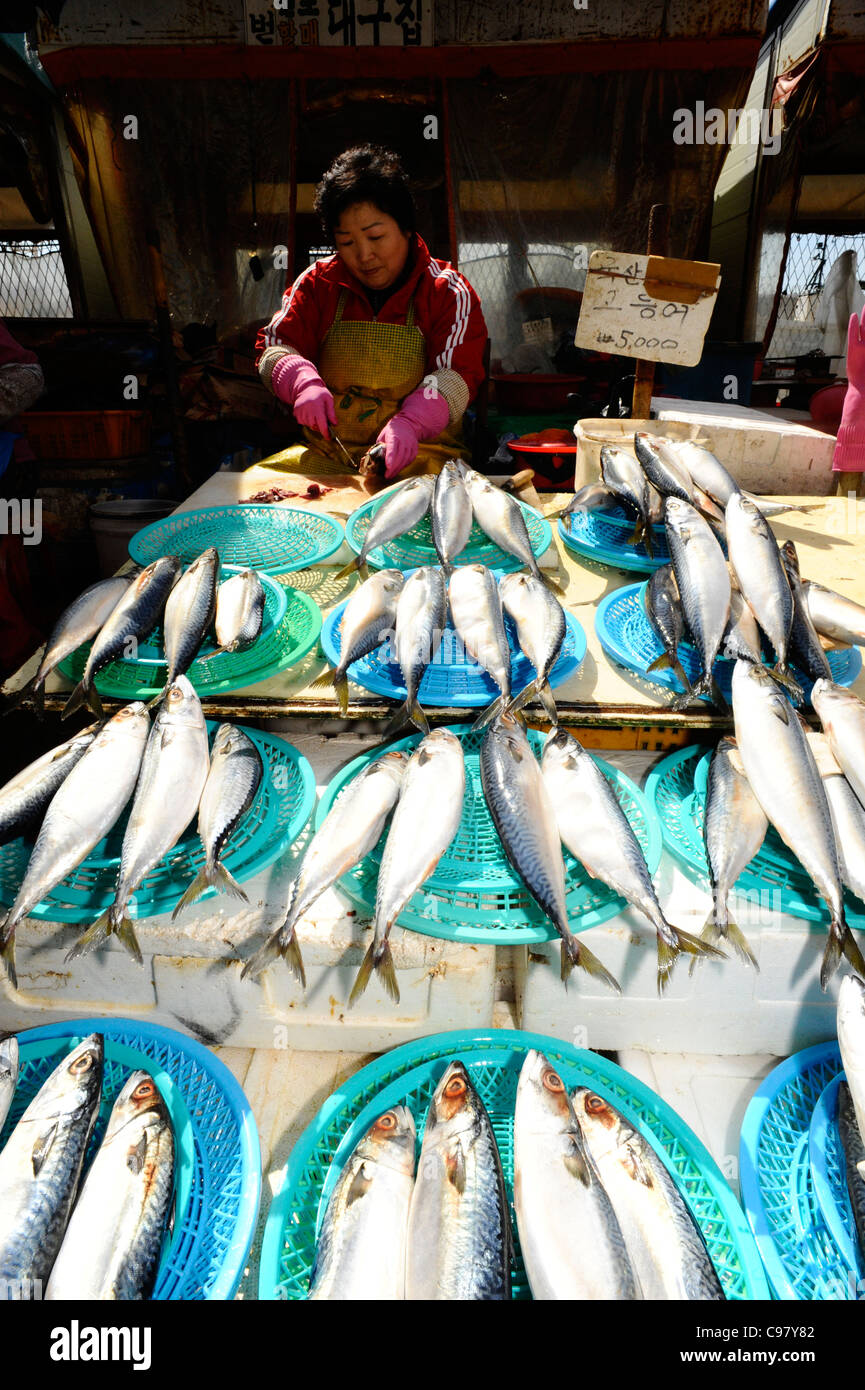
(658, 245)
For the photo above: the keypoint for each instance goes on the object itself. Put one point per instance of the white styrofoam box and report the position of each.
(765, 453)
(724, 1007)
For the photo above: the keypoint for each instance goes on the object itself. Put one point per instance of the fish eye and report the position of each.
(595, 1103)
(387, 1121)
(553, 1082)
(81, 1065)
(144, 1091)
(455, 1087)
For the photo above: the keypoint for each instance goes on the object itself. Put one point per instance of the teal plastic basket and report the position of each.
(217, 1153)
(676, 789)
(828, 1171)
(604, 538)
(775, 1179)
(270, 539)
(473, 894)
(416, 547)
(409, 1075)
(283, 646)
(279, 813)
(151, 652)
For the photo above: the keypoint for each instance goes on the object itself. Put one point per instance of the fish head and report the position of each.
(439, 744)
(543, 1102)
(390, 1140)
(391, 581)
(507, 730)
(747, 512)
(166, 566)
(392, 765)
(593, 1112)
(74, 1084)
(677, 512)
(181, 704)
(561, 749)
(453, 1107)
(133, 721)
(223, 740)
(139, 1097)
(830, 699)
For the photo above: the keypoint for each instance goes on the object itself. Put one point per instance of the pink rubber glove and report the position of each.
(419, 417)
(295, 381)
(849, 456)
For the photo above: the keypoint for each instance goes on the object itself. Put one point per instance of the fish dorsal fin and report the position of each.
(360, 1185)
(575, 1162)
(456, 1167)
(42, 1148)
(136, 1156)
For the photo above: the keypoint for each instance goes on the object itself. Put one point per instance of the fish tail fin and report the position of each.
(712, 933)
(638, 532)
(693, 693)
(31, 693)
(681, 672)
(379, 960)
(841, 942)
(225, 882)
(408, 713)
(125, 932)
(552, 581)
(715, 694)
(491, 712)
(649, 539)
(737, 939)
(277, 945)
(575, 952)
(7, 954)
(674, 942)
(199, 884)
(526, 695)
(549, 704)
(76, 700)
(417, 716)
(111, 923)
(781, 674)
(350, 568)
(660, 662)
(340, 685)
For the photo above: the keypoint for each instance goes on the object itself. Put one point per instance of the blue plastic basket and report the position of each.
(604, 537)
(627, 636)
(217, 1151)
(408, 1076)
(676, 789)
(279, 813)
(270, 539)
(826, 1156)
(795, 1244)
(416, 547)
(473, 894)
(452, 678)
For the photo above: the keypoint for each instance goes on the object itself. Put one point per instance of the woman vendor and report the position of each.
(379, 343)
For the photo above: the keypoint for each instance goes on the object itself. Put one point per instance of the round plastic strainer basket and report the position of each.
(271, 539)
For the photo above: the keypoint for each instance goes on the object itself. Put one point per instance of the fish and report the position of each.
(502, 519)
(40, 1167)
(367, 620)
(833, 615)
(8, 1074)
(806, 648)
(541, 631)
(734, 828)
(853, 1149)
(848, 822)
(24, 799)
(523, 815)
(664, 612)
(705, 470)
(113, 1240)
(173, 773)
(594, 497)
(421, 618)
(741, 640)
(75, 626)
(476, 609)
(80, 814)
(451, 514)
(132, 618)
(851, 1041)
(625, 478)
(593, 826)
(842, 715)
(459, 1232)
(361, 1250)
(424, 823)
(665, 1245)
(571, 1242)
(239, 612)
(398, 513)
(704, 587)
(349, 831)
(662, 467)
(770, 507)
(189, 612)
(233, 780)
(781, 768)
(763, 581)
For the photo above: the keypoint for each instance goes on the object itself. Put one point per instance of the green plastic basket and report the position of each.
(676, 789)
(285, 645)
(271, 539)
(473, 893)
(273, 822)
(416, 547)
(409, 1075)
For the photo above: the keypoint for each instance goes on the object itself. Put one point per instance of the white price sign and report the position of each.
(649, 307)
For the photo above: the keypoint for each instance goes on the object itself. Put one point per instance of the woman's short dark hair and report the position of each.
(365, 174)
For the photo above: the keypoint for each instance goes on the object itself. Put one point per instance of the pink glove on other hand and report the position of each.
(849, 456)
(419, 417)
(295, 381)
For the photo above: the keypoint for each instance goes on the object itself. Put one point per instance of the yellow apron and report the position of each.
(369, 368)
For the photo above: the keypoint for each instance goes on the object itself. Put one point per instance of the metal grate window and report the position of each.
(809, 261)
(33, 280)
